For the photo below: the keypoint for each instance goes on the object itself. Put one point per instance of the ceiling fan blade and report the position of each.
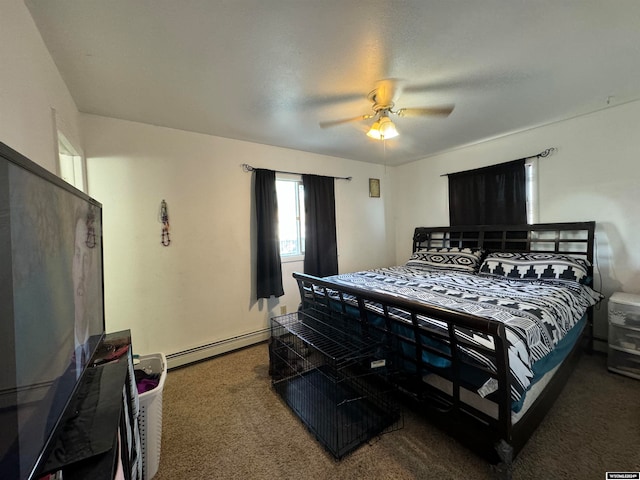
(328, 100)
(333, 123)
(475, 81)
(443, 111)
(386, 92)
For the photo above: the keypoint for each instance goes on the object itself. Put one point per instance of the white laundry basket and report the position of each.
(150, 418)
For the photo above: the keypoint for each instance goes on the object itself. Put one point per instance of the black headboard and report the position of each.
(575, 238)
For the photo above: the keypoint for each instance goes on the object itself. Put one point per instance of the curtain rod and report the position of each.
(248, 168)
(544, 153)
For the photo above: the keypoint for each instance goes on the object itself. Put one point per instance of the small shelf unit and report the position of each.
(333, 382)
(624, 334)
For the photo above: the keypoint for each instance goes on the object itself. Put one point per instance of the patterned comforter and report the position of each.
(537, 314)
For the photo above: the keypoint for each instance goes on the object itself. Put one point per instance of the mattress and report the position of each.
(544, 374)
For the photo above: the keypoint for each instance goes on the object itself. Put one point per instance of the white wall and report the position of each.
(594, 175)
(201, 289)
(31, 88)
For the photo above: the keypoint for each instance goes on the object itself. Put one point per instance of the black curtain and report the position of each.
(321, 247)
(269, 269)
(494, 195)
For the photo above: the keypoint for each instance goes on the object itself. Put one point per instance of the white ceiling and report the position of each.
(268, 71)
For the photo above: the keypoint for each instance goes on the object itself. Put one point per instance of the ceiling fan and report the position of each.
(383, 98)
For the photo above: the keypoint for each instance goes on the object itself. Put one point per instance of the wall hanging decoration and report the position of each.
(164, 218)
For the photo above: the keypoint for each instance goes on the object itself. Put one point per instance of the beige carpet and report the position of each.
(222, 420)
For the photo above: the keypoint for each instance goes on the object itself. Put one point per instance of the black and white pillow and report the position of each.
(458, 259)
(535, 266)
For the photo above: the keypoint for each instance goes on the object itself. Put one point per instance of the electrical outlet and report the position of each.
(283, 309)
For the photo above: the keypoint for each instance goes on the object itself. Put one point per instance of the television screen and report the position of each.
(51, 305)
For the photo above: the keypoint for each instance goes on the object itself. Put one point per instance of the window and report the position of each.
(493, 195)
(290, 216)
(531, 179)
(71, 165)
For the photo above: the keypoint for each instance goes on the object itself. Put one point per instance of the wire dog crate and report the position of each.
(332, 382)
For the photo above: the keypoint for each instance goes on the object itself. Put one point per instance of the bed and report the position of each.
(481, 326)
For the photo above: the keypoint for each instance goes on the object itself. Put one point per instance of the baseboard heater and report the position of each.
(209, 350)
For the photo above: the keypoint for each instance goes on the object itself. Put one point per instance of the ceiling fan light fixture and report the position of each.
(383, 129)
(387, 129)
(374, 131)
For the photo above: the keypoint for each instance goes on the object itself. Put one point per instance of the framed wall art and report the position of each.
(374, 187)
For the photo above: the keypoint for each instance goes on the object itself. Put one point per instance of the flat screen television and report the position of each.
(51, 306)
